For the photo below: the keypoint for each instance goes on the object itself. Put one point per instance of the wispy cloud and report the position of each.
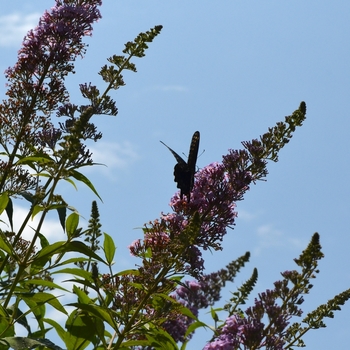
(245, 215)
(51, 229)
(14, 27)
(113, 155)
(271, 237)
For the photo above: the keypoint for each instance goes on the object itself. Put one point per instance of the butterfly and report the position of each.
(184, 171)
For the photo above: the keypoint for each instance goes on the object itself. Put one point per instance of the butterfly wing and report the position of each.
(181, 172)
(177, 157)
(192, 156)
(184, 172)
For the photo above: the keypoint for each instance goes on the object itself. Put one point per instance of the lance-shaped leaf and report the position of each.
(72, 223)
(9, 212)
(24, 343)
(109, 248)
(42, 298)
(82, 178)
(46, 253)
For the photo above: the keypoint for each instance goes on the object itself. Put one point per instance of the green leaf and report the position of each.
(42, 298)
(42, 174)
(28, 196)
(177, 279)
(67, 338)
(43, 241)
(148, 253)
(9, 212)
(158, 338)
(82, 296)
(128, 272)
(62, 212)
(20, 317)
(72, 260)
(37, 209)
(80, 177)
(214, 315)
(193, 326)
(24, 343)
(42, 159)
(44, 283)
(109, 248)
(81, 330)
(72, 183)
(3, 312)
(130, 344)
(41, 332)
(59, 329)
(38, 310)
(96, 325)
(4, 199)
(51, 249)
(45, 255)
(60, 247)
(5, 246)
(76, 272)
(7, 329)
(72, 223)
(80, 247)
(85, 283)
(96, 311)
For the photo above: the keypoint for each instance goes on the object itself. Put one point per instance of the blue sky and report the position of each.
(229, 69)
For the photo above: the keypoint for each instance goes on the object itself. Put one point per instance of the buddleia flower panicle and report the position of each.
(219, 186)
(36, 86)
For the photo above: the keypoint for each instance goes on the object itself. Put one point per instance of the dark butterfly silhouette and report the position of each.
(184, 171)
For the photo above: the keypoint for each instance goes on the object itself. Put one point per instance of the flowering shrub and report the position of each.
(153, 306)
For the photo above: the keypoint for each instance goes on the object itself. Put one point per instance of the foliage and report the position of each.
(152, 306)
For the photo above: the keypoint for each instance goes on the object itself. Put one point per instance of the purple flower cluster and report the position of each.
(264, 324)
(202, 221)
(239, 331)
(215, 191)
(194, 295)
(48, 138)
(231, 334)
(48, 50)
(217, 187)
(185, 295)
(36, 83)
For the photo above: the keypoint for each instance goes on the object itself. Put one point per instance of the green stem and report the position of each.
(25, 121)
(23, 226)
(143, 302)
(22, 265)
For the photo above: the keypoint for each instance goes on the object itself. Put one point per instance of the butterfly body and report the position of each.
(184, 171)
